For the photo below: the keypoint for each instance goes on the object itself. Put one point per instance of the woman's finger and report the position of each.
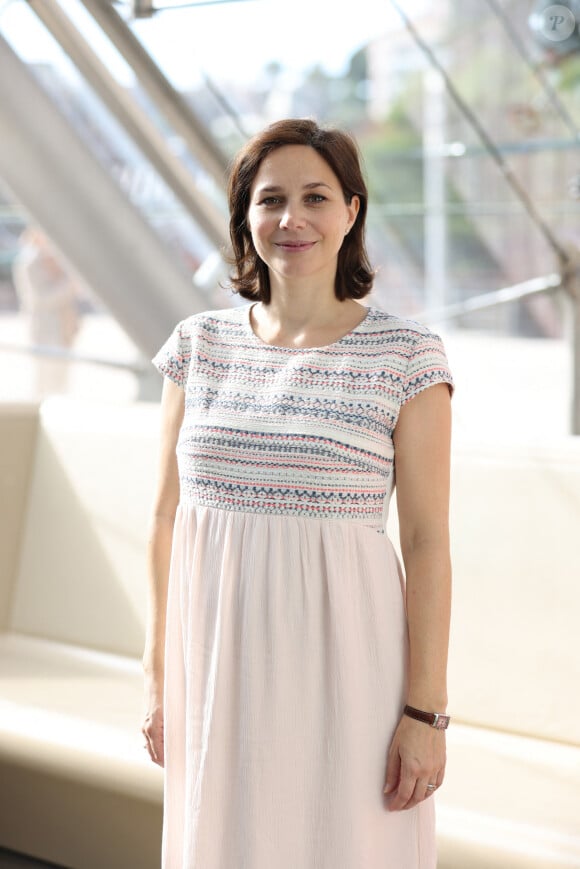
(159, 752)
(430, 787)
(154, 742)
(401, 798)
(393, 772)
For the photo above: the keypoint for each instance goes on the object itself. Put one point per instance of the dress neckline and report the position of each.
(261, 343)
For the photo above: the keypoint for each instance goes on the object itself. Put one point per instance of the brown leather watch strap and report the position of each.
(434, 719)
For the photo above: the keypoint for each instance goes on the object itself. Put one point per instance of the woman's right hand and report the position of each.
(152, 728)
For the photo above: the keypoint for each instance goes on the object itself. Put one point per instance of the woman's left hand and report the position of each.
(416, 759)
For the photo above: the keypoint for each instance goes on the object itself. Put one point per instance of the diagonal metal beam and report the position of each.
(147, 8)
(160, 91)
(135, 121)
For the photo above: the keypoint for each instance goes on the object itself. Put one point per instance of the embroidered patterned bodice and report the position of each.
(299, 431)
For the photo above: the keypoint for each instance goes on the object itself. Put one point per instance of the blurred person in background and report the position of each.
(48, 294)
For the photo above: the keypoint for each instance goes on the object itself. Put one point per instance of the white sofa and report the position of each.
(77, 788)
(512, 795)
(75, 486)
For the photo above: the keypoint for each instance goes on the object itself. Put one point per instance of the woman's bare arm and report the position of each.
(422, 461)
(158, 559)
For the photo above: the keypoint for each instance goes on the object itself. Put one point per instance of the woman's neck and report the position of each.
(298, 305)
(304, 317)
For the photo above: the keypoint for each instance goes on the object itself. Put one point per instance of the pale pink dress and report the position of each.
(286, 632)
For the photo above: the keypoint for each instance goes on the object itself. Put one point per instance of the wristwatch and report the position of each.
(434, 719)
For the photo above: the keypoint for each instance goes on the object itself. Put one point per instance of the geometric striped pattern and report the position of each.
(295, 431)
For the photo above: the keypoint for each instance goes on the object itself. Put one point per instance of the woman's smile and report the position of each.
(295, 246)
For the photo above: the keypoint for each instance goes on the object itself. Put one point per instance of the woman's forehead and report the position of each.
(294, 164)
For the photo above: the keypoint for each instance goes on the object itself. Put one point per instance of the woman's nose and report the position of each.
(292, 217)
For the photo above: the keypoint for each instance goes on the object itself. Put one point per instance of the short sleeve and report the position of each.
(173, 359)
(426, 366)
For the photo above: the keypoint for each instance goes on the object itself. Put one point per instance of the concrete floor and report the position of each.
(9, 860)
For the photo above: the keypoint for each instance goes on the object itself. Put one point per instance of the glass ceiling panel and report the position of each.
(236, 42)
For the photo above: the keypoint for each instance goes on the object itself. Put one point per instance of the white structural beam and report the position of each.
(67, 191)
(159, 89)
(135, 121)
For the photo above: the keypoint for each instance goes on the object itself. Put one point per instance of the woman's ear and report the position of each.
(353, 208)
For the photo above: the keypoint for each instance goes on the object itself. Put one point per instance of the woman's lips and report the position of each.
(295, 246)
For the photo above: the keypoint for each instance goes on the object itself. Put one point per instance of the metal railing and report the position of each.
(485, 301)
(149, 384)
(51, 351)
(567, 283)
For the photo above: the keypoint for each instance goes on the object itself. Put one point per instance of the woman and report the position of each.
(282, 646)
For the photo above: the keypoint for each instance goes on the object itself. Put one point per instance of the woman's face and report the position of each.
(297, 215)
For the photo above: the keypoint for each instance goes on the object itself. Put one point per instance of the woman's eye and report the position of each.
(272, 201)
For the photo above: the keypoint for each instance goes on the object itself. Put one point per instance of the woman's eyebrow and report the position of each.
(275, 188)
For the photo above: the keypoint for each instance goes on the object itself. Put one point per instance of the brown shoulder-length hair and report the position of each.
(354, 276)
